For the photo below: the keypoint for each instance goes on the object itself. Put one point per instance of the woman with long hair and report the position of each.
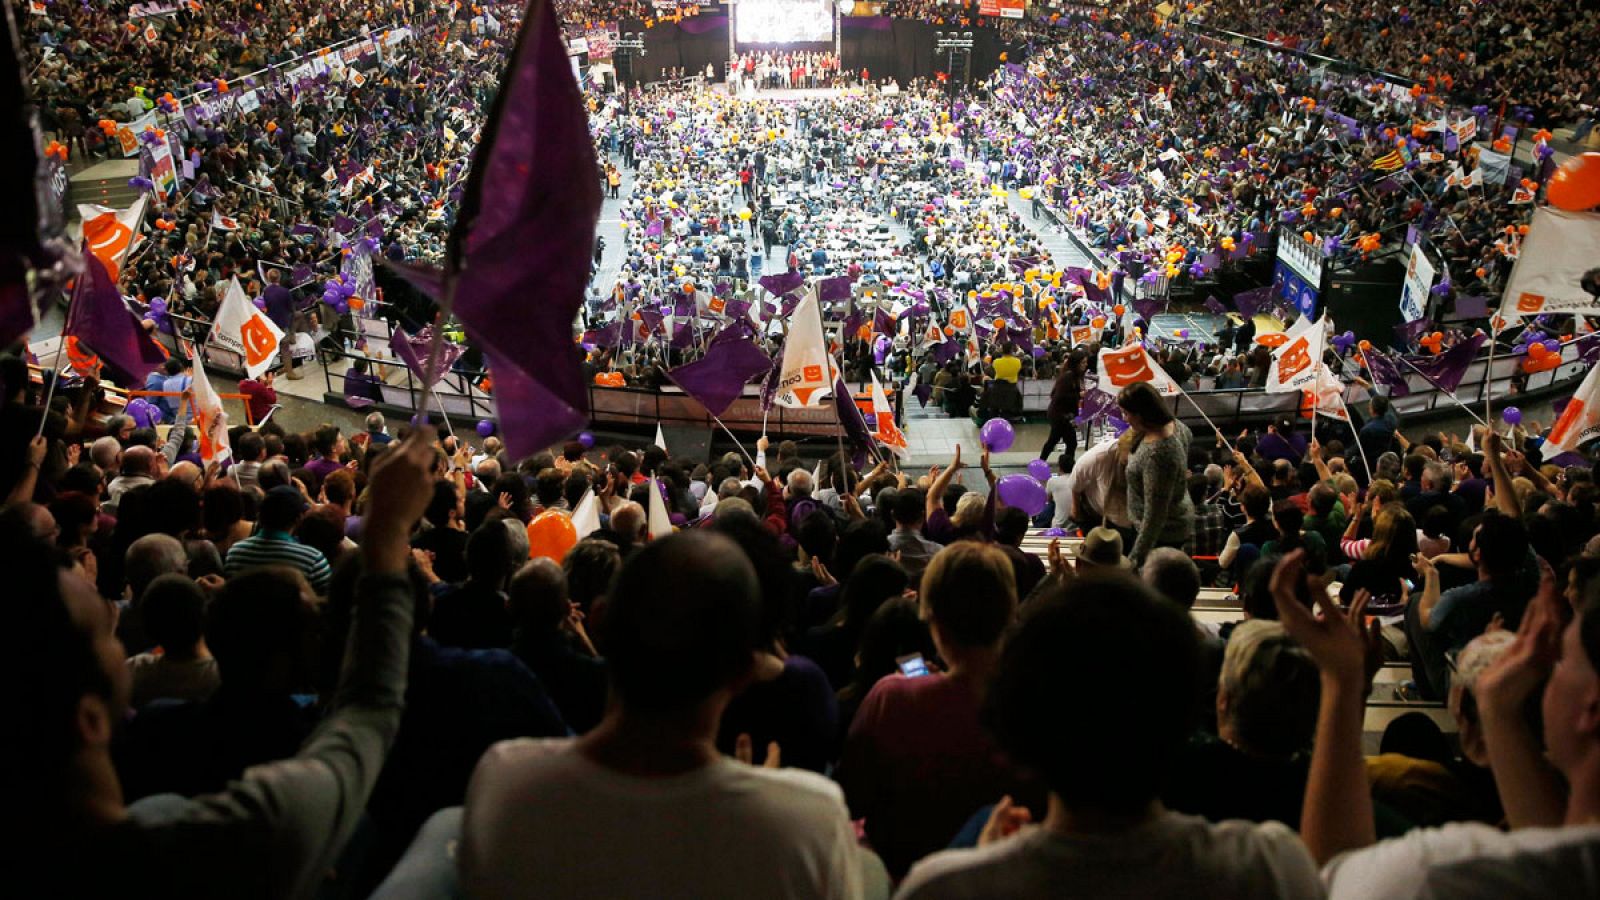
(1383, 562)
(1158, 471)
(1065, 396)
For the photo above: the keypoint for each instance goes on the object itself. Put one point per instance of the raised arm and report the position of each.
(283, 825)
(1337, 815)
(1505, 496)
(936, 492)
(1530, 790)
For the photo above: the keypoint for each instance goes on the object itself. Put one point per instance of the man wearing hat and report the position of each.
(274, 543)
(1101, 548)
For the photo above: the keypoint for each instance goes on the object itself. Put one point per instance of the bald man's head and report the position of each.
(186, 473)
(538, 596)
(138, 460)
(628, 519)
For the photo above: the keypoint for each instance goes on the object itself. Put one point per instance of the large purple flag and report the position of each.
(782, 283)
(520, 250)
(412, 349)
(1248, 302)
(1448, 368)
(100, 319)
(1096, 404)
(1386, 371)
(718, 378)
(828, 289)
(24, 182)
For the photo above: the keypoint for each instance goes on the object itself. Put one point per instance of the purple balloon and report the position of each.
(998, 435)
(485, 428)
(1553, 345)
(1023, 492)
(586, 439)
(1039, 469)
(1511, 415)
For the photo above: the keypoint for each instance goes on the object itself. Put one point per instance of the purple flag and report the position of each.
(100, 319)
(413, 350)
(655, 228)
(1097, 404)
(1248, 302)
(682, 336)
(855, 428)
(1409, 332)
(1448, 368)
(1147, 307)
(1386, 371)
(1214, 306)
(718, 378)
(828, 289)
(783, 283)
(520, 250)
(923, 393)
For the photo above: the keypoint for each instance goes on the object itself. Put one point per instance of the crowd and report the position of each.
(815, 646)
(767, 70)
(1508, 54)
(409, 665)
(1178, 155)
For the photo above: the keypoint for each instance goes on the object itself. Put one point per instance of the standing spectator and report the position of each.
(1158, 493)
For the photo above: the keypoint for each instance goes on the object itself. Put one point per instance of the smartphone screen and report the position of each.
(912, 666)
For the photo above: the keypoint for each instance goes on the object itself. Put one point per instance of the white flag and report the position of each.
(1130, 365)
(223, 223)
(209, 417)
(1580, 421)
(1560, 247)
(883, 426)
(586, 518)
(1296, 362)
(246, 330)
(661, 438)
(111, 233)
(658, 523)
(1329, 396)
(805, 376)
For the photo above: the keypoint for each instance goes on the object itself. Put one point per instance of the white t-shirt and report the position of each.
(1175, 855)
(1398, 868)
(542, 820)
(1060, 488)
(1093, 476)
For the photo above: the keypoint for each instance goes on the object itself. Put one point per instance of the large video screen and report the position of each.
(783, 21)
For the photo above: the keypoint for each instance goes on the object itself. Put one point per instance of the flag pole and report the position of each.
(742, 451)
(1488, 381)
(1450, 394)
(1359, 449)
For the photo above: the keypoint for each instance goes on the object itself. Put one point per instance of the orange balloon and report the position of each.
(1538, 351)
(1098, 321)
(999, 324)
(1119, 309)
(1576, 185)
(551, 535)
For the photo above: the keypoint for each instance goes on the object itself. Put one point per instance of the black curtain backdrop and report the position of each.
(893, 48)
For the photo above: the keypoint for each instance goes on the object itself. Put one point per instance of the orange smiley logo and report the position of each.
(1273, 340)
(1127, 366)
(1296, 358)
(1529, 303)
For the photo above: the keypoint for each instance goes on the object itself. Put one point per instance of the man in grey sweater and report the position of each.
(276, 832)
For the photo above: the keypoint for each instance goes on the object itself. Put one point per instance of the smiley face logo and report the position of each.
(1273, 340)
(108, 239)
(1296, 359)
(259, 341)
(1127, 366)
(1529, 303)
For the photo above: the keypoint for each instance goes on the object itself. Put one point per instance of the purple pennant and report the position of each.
(1097, 404)
(682, 336)
(1214, 306)
(608, 335)
(100, 319)
(526, 231)
(855, 428)
(304, 229)
(1409, 332)
(344, 224)
(923, 393)
(781, 284)
(413, 350)
(829, 290)
(1386, 371)
(1147, 307)
(1248, 302)
(719, 377)
(1448, 368)
(301, 274)
(651, 318)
